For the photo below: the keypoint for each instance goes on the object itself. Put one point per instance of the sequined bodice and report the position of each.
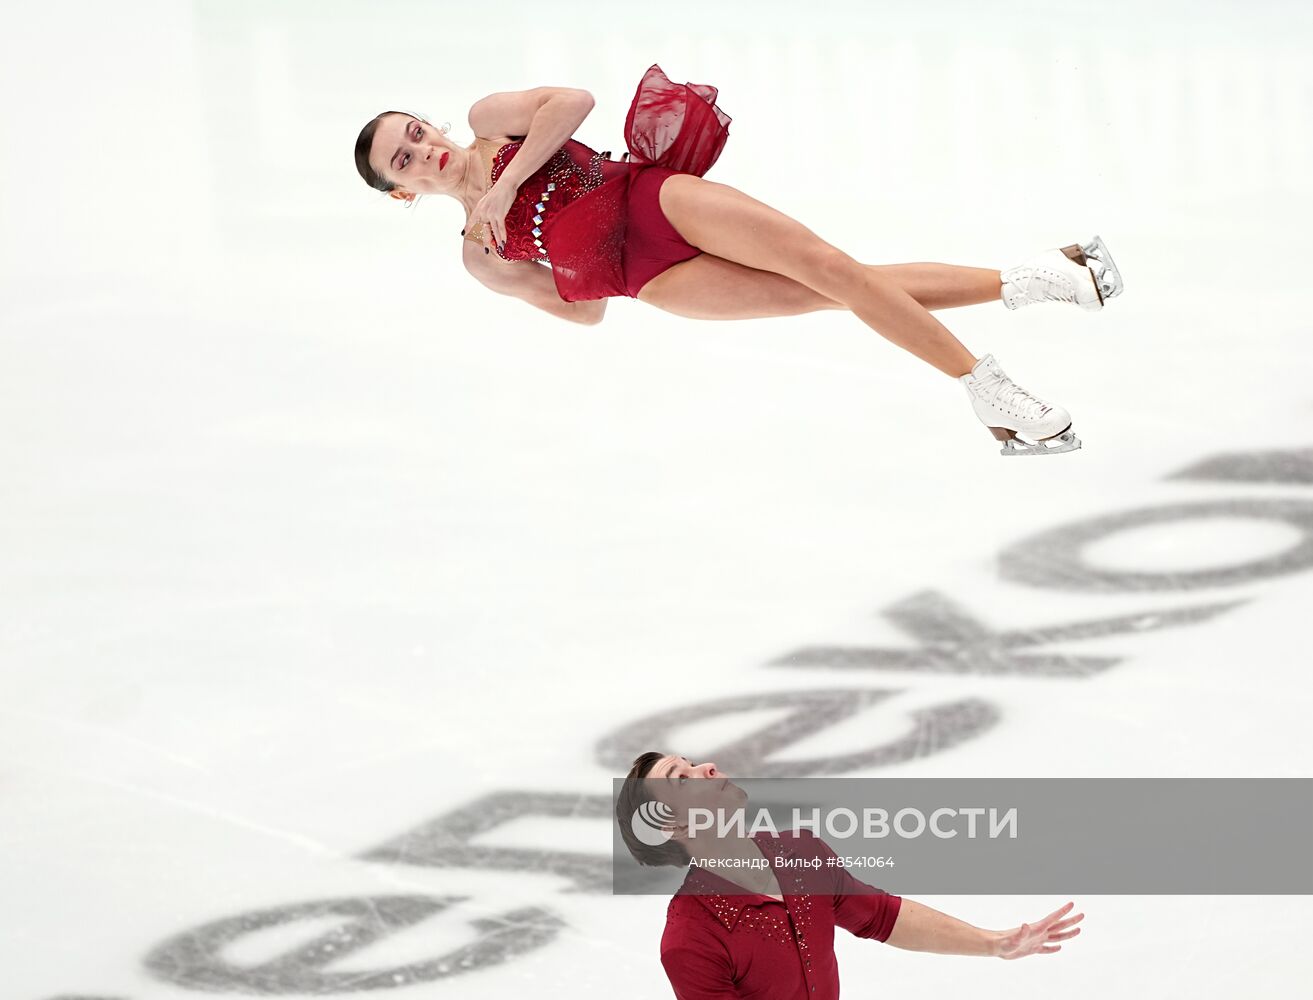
(578, 211)
(569, 174)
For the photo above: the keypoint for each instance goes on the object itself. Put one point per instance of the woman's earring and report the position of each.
(446, 127)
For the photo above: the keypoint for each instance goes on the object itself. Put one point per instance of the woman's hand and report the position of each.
(491, 213)
(1040, 938)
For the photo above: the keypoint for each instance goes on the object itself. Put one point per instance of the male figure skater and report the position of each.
(766, 928)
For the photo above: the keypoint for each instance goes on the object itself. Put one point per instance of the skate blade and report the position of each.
(1076, 254)
(1059, 444)
(1108, 278)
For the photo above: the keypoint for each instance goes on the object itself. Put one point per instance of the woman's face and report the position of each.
(416, 157)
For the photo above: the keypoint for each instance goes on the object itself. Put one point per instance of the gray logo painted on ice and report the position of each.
(948, 639)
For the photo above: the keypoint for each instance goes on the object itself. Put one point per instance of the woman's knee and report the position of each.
(830, 271)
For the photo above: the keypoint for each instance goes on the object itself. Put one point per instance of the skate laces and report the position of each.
(1052, 286)
(1002, 391)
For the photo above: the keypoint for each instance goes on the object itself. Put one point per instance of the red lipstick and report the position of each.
(442, 160)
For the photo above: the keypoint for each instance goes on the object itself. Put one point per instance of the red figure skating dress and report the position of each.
(598, 222)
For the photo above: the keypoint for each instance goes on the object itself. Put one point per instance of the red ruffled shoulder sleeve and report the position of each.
(675, 125)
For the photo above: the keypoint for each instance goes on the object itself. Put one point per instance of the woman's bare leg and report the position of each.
(723, 221)
(944, 286)
(711, 287)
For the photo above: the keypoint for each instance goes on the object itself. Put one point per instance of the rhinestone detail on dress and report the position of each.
(533, 204)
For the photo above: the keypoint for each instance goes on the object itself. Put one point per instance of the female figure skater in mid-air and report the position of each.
(650, 227)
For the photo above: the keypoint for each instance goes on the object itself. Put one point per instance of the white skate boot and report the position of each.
(1083, 274)
(1009, 412)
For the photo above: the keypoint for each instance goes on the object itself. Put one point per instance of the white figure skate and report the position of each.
(1025, 424)
(1083, 274)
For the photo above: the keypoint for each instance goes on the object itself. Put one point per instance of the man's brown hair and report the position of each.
(634, 793)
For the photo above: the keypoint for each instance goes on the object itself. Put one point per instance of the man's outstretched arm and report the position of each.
(923, 928)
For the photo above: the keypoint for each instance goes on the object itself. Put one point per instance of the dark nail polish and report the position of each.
(486, 250)
(462, 232)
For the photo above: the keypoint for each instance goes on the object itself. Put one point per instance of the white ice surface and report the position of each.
(305, 538)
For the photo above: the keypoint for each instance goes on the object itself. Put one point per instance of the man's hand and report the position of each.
(1040, 938)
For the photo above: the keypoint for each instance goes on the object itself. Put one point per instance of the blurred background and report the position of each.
(335, 589)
